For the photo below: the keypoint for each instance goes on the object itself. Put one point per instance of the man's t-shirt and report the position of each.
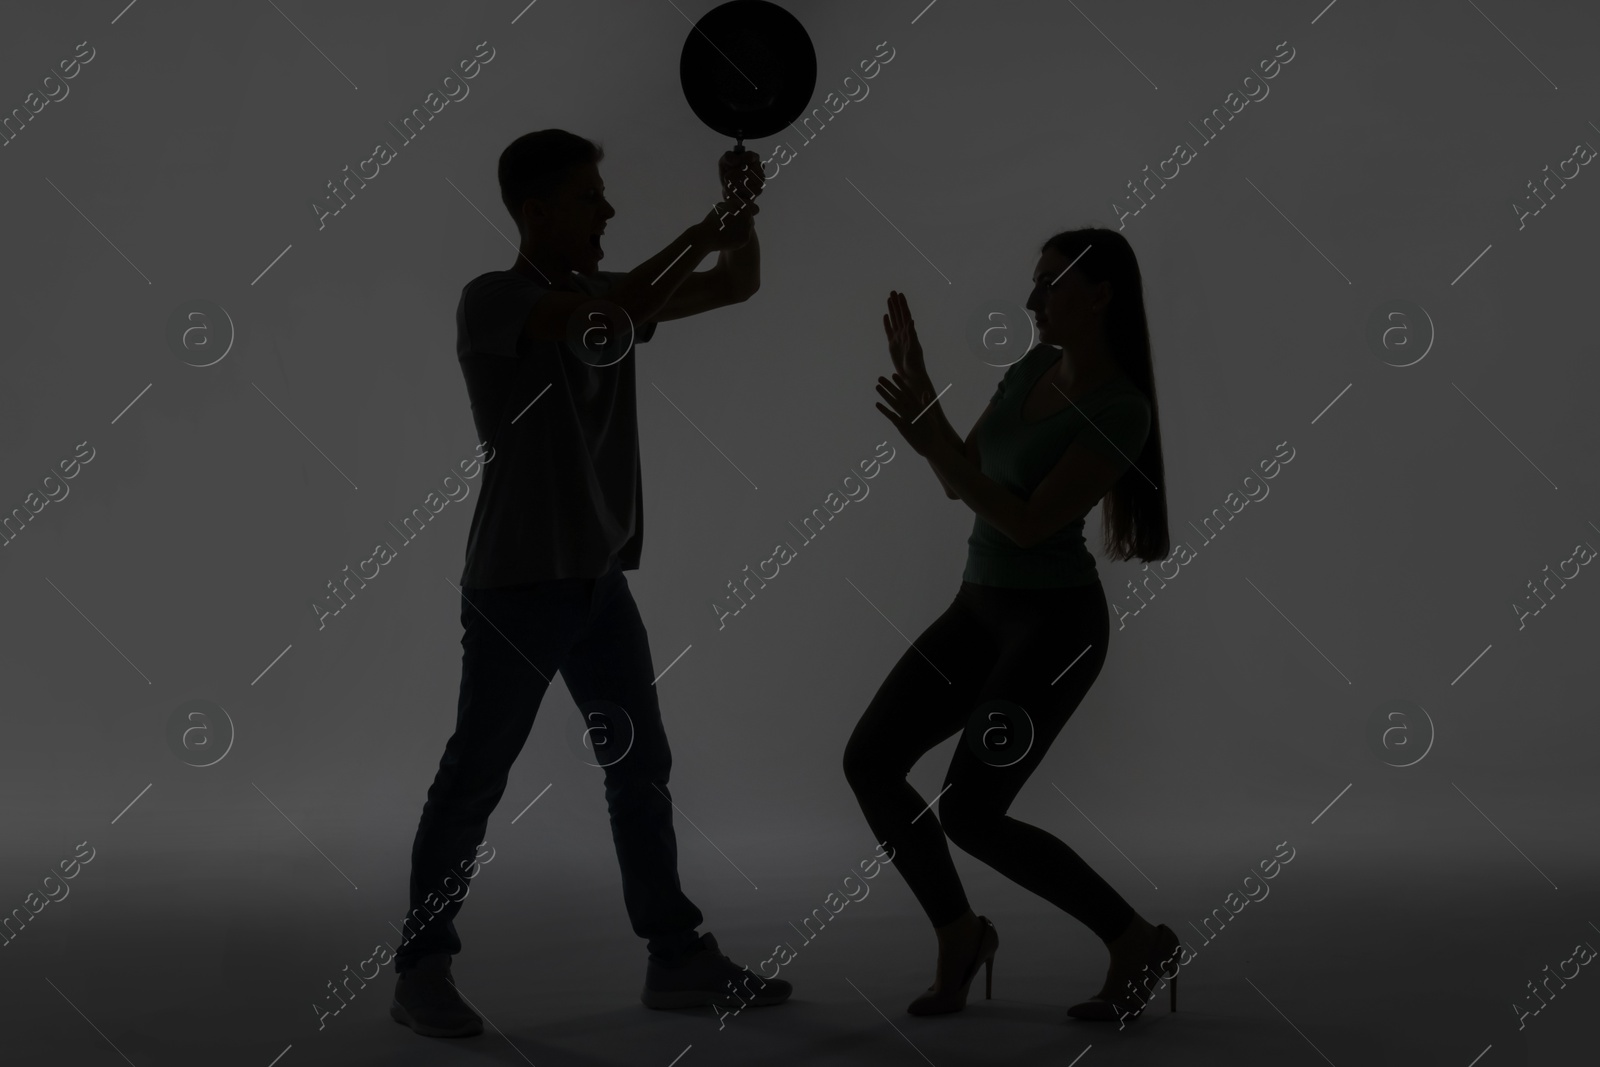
(1019, 456)
(562, 496)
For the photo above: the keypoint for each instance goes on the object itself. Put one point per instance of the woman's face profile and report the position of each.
(1063, 304)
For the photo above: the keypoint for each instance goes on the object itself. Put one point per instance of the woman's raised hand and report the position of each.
(905, 351)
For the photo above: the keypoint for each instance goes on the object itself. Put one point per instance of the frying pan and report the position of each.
(747, 69)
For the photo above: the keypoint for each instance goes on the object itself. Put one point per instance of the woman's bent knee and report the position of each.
(970, 828)
(861, 769)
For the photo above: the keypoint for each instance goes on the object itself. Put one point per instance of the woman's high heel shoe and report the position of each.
(954, 999)
(1129, 1003)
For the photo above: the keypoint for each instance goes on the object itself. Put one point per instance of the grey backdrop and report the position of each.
(1235, 710)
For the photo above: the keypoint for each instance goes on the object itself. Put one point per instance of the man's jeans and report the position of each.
(515, 639)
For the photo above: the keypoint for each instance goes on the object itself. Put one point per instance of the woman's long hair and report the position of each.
(1133, 516)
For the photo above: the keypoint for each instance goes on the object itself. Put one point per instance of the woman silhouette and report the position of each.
(1072, 423)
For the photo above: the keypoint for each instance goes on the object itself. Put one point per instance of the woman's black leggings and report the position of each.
(1007, 667)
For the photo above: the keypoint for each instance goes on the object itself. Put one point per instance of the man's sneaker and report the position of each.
(426, 1000)
(706, 976)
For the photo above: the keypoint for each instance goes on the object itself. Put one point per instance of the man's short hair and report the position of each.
(536, 164)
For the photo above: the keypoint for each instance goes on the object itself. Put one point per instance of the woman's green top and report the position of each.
(1113, 419)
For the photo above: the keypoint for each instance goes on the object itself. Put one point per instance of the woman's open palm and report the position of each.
(905, 350)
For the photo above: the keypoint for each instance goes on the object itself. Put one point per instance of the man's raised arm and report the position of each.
(646, 289)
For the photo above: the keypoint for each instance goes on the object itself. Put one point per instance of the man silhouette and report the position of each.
(544, 347)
